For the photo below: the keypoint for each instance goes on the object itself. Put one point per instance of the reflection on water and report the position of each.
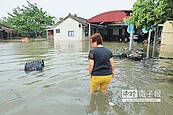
(73, 46)
(100, 104)
(62, 88)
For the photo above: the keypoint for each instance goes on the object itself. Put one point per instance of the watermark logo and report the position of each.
(141, 95)
(129, 93)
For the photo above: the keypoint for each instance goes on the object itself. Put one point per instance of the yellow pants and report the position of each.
(100, 81)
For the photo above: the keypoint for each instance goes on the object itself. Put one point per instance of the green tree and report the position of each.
(147, 13)
(28, 19)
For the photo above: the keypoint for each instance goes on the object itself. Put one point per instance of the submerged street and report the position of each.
(62, 87)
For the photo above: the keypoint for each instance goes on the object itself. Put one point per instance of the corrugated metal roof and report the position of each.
(110, 16)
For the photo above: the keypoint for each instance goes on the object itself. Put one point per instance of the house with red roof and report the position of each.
(111, 25)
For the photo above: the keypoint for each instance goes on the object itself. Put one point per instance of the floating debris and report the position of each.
(110, 103)
(34, 66)
(121, 52)
(134, 54)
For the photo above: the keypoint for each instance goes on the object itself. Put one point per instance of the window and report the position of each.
(70, 33)
(57, 30)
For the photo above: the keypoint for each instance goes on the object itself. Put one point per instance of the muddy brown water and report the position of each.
(62, 88)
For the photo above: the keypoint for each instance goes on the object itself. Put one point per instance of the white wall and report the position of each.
(167, 33)
(68, 25)
(166, 48)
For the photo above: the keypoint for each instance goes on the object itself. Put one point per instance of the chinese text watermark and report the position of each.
(141, 95)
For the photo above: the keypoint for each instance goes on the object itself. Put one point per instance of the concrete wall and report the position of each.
(166, 48)
(167, 33)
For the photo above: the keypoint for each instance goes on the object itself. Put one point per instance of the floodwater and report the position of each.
(62, 88)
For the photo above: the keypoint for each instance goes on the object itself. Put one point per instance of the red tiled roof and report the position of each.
(111, 16)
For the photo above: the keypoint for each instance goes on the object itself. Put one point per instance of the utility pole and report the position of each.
(89, 34)
(154, 42)
(89, 30)
(148, 45)
(131, 37)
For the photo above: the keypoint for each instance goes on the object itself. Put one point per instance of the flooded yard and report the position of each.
(62, 88)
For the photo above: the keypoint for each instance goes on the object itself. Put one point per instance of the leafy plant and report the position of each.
(28, 20)
(147, 13)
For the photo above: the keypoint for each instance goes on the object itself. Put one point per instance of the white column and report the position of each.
(89, 30)
(148, 45)
(131, 38)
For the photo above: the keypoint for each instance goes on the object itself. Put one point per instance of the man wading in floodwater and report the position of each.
(101, 65)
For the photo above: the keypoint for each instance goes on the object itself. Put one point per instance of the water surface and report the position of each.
(62, 88)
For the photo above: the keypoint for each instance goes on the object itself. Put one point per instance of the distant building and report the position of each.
(111, 25)
(6, 32)
(71, 27)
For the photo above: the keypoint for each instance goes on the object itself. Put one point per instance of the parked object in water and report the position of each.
(136, 54)
(120, 52)
(34, 66)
